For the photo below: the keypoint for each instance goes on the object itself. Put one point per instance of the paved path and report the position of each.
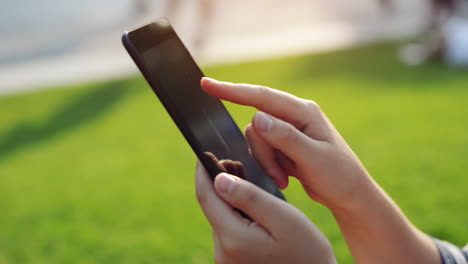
(88, 47)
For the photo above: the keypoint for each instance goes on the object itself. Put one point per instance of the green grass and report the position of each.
(98, 173)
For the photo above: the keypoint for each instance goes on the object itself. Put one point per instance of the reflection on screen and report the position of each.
(205, 116)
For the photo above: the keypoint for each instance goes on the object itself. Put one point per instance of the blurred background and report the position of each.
(92, 169)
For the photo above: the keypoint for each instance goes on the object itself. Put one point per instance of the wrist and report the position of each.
(366, 197)
(379, 232)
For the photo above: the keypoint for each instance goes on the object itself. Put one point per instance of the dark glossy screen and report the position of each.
(202, 118)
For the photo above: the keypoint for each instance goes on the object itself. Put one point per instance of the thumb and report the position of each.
(284, 137)
(264, 208)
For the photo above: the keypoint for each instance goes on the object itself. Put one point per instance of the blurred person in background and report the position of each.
(446, 36)
(206, 8)
(173, 7)
(387, 6)
(140, 7)
(455, 32)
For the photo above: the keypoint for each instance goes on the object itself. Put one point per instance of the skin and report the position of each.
(269, 238)
(291, 136)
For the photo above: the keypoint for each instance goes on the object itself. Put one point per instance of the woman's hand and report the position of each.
(279, 233)
(293, 137)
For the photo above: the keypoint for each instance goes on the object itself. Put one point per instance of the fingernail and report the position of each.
(225, 183)
(210, 80)
(263, 122)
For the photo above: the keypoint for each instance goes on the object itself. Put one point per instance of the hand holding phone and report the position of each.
(280, 233)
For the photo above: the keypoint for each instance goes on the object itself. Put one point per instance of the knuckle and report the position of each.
(249, 196)
(265, 94)
(219, 258)
(232, 249)
(312, 106)
(289, 135)
(263, 90)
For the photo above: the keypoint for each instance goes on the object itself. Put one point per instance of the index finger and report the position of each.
(284, 106)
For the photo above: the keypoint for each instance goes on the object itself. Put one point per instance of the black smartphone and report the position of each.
(205, 123)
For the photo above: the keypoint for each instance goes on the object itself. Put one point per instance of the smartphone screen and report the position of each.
(204, 121)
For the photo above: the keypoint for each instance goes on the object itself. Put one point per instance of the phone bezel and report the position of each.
(144, 35)
(139, 33)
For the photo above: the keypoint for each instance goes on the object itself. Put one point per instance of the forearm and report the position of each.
(376, 231)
